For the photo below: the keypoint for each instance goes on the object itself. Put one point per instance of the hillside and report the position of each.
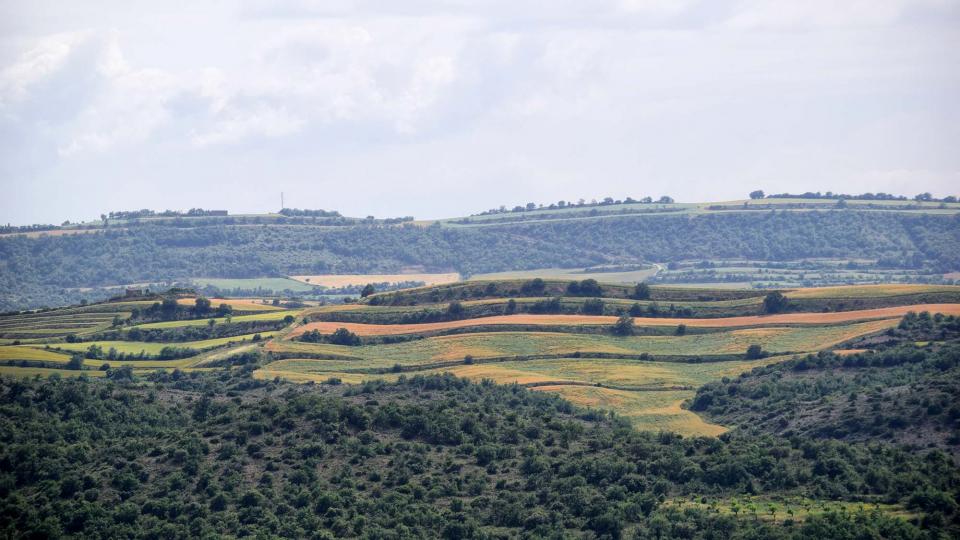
(900, 393)
(463, 411)
(57, 269)
(191, 455)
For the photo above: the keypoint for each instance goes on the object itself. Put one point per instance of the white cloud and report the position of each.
(477, 101)
(48, 55)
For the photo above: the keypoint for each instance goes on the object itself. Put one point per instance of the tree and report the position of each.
(76, 362)
(593, 306)
(758, 194)
(201, 305)
(342, 336)
(755, 352)
(367, 290)
(681, 330)
(455, 309)
(534, 287)
(224, 309)
(666, 200)
(168, 309)
(775, 302)
(623, 326)
(641, 291)
(587, 287)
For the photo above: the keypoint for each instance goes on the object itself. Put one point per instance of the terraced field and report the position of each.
(154, 348)
(56, 323)
(600, 320)
(266, 316)
(776, 339)
(645, 376)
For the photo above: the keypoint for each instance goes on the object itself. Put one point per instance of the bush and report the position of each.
(775, 302)
(76, 361)
(623, 326)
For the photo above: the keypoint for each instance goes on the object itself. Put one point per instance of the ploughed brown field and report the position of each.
(573, 320)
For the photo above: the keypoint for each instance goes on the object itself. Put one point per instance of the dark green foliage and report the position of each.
(592, 306)
(75, 362)
(623, 326)
(587, 287)
(754, 352)
(906, 395)
(775, 302)
(534, 287)
(204, 455)
(341, 336)
(913, 327)
(367, 290)
(641, 291)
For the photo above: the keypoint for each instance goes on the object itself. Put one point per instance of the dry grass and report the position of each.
(869, 291)
(345, 280)
(655, 410)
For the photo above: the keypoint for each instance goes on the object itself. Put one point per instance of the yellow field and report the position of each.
(347, 280)
(869, 291)
(654, 410)
(24, 352)
(134, 347)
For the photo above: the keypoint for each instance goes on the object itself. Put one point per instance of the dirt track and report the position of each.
(573, 320)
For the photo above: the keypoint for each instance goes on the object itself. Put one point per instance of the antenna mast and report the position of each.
(281, 201)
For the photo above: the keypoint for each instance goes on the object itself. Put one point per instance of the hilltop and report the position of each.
(800, 241)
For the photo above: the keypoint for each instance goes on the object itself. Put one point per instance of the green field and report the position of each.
(630, 276)
(276, 284)
(154, 348)
(266, 316)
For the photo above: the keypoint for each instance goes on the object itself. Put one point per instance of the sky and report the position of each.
(440, 108)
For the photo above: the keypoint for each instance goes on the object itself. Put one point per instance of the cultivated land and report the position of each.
(600, 320)
(645, 377)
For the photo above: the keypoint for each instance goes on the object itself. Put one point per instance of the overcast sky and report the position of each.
(440, 108)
